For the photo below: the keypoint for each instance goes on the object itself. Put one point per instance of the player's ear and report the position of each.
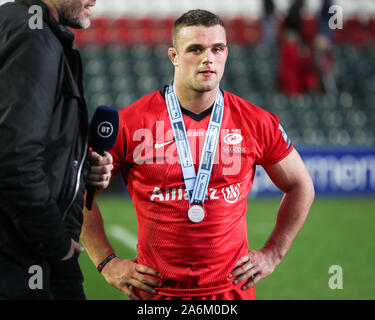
(172, 54)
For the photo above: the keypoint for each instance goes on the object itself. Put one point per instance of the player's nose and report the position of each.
(207, 57)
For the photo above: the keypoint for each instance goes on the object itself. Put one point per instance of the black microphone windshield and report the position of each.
(103, 129)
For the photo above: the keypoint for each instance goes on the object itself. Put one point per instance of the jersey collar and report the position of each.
(188, 113)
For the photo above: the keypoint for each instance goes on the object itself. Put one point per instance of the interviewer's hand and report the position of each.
(74, 247)
(100, 170)
(122, 273)
(255, 266)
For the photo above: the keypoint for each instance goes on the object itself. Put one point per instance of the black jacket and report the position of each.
(43, 134)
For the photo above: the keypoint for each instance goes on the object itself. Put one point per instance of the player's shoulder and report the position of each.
(247, 109)
(146, 107)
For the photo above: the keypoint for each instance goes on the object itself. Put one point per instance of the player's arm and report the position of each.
(120, 273)
(291, 176)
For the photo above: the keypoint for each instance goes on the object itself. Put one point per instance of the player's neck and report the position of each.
(195, 101)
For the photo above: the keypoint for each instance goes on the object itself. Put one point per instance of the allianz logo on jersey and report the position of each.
(196, 133)
(230, 194)
(231, 136)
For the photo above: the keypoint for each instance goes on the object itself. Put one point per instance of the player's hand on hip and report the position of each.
(254, 266)
(100, 170)
(123, 273)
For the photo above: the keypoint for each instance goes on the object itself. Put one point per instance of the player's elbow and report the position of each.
(311, 191)
(303, 189)
(306, 187)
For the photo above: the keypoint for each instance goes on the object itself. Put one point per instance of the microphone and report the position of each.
(102, 136)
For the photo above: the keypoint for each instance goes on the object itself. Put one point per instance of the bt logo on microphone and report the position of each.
(105, 129)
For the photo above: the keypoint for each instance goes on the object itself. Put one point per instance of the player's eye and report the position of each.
(195, 50)
(218, 49)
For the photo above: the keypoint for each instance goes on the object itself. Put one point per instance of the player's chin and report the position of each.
(204, 86)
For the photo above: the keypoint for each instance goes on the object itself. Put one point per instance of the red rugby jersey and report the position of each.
(193, 258)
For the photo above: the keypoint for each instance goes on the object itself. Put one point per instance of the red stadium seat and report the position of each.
(245, 31)
(100, 22)
(165, 30)
(79, 37)
(123, 30)
(357, 33)
(339, 36)
(372, 28)
(147, 31)
(151, 31)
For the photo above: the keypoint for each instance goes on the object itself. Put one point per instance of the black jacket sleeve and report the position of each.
(28, 78)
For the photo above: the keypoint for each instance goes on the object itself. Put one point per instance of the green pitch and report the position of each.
(337, 232)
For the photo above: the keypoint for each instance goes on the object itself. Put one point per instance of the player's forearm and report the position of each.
(93, 236)
(291, 217)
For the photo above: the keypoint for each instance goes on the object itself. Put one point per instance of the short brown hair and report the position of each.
(195, 17)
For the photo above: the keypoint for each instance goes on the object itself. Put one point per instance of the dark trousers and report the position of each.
(61, 280)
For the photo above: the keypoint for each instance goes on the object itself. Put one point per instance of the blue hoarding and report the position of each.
(334, 172)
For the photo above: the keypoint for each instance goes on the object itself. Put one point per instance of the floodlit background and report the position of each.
(319, 81)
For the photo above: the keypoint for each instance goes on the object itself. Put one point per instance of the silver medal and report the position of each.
(196, 213)
(196, 183)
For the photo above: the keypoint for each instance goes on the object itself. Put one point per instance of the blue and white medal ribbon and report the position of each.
(196, 185)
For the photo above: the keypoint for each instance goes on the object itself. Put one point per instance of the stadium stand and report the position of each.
(120, 69)
(125, 57)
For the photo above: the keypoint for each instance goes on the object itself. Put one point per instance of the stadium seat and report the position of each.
(122, 84)
(95, 67)
(123, 100)
(120, 72)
